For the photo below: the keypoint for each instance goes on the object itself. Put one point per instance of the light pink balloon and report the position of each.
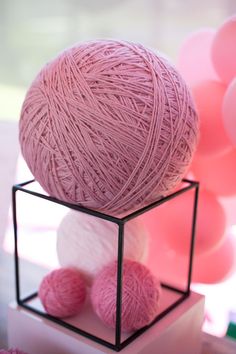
(224, 50)
(211, 222)
(229, 110)
(166, 264)
(210, 268)
(208, 97)
(194, 61)
(218, 174)
(216, 266)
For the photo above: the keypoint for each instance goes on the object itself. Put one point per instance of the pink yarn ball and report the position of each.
(108, 124)
(140, 296)
(63, 292)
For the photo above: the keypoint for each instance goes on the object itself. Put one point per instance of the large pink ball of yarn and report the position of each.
(140, 297)
(108, 124)
(63, 292)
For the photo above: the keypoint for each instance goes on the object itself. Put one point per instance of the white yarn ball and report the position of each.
(89, 243)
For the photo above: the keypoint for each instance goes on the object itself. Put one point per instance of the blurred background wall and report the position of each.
(32, 32)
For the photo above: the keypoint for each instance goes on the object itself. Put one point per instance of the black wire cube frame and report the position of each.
(119, 345)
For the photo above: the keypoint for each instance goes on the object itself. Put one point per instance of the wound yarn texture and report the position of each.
(63, 292)
(108, 124)
(141, 293)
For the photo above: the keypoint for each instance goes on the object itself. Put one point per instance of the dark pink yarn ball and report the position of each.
(140, 297)
(63, 292)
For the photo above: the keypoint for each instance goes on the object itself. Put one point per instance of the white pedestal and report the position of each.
(177, 333)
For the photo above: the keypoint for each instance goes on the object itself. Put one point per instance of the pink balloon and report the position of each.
(163, 262)
(173, 222)
(194, 61)
(208, 97)
(172, 267)
(218, 174)
(229, 111)
(166, 264)
(224, 50)
(216, 266)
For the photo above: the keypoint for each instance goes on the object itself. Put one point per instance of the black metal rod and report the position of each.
(193, 234)
(68, 326)
(69, 205)
(98, 339)
(17, 275)
(186, 180)
(158, 318)
(172, 288)
(119, 284)
(121, 224)
(18, 185)
(29, 297)
(117, 346)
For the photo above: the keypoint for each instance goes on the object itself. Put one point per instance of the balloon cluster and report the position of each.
(207, 61)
